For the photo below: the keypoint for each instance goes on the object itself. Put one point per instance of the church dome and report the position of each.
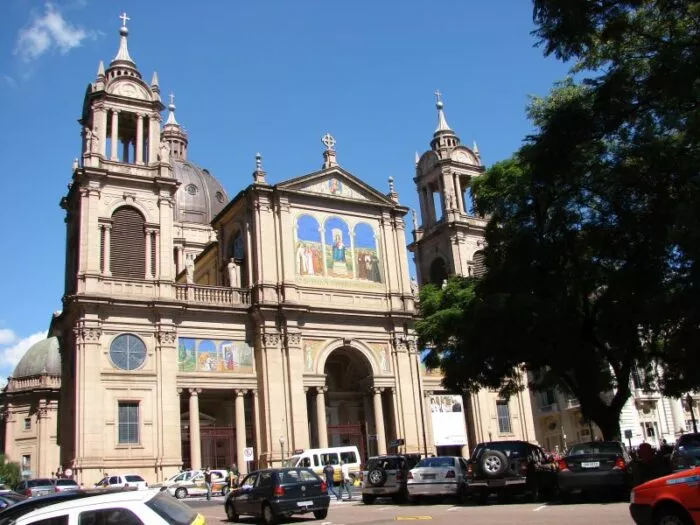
(41, 358)
(200, 196)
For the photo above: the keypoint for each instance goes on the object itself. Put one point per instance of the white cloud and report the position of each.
(10, 355)
(7, 336)
(48, 32)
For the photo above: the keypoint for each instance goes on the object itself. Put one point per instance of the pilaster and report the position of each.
(168, 435)
(273, 407)
(298, 414)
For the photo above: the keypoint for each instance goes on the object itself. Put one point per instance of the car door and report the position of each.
(244, 494)
(196, 486)
(262, 490)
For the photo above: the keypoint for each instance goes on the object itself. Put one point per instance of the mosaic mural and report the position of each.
(381, 351)
(334, 186)
(334, 255)
(207, 355)
(311, 348)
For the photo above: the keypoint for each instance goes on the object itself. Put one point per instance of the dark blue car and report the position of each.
(278, 493)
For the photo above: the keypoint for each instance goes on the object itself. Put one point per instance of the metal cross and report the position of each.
(329, 141)
(124, 18)
(438, 95)
(172, 98)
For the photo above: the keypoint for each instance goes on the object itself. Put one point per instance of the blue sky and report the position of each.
(269, 76)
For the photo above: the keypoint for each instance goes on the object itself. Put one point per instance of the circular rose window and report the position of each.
(191, 189)
(127, 352)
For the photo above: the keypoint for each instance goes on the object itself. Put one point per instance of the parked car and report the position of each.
(280, 492)
(670, 500)
(36, 487)
(195, 486)
(10, 498)
(316, 459)
(122, 506)
(686, 453)
(508, 468)
(63, 485)
(123, 480)
(387, 476)
(595, 466)
(438, 476)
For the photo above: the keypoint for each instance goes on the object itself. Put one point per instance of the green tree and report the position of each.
(10, 474)
(592, 243)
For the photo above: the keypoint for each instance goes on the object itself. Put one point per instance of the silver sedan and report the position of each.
(438, 476)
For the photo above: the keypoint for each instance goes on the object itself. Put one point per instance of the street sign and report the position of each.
(628, 434)
(248, 454)
(396, 443)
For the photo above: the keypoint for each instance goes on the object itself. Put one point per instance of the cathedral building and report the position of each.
(199, 330)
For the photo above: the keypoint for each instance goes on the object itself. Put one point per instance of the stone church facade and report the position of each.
(195, 327)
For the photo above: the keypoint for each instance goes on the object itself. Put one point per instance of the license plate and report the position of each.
(428, 476)
(590, 464)
(497, 483)
(305, 503)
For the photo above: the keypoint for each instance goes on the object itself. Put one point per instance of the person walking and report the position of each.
(345, 481)
(207, 482)
(329, 472)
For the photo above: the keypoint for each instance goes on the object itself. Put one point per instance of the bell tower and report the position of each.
(450, 235)
(120, 200)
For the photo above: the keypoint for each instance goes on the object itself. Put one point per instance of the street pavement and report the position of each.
(385, 512)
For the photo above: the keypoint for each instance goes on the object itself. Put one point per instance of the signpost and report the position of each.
(396, 443)
(628, 437)
(248, 456)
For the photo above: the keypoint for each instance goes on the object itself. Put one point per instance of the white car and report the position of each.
(193, 485)
(122, 481)
(128, 506)
(438, 477)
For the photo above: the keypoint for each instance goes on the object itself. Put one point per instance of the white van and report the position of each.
(316, 459)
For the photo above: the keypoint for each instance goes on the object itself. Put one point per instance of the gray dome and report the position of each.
(200, 196)
(41, 358)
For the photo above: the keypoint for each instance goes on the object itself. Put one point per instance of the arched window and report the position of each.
(128, 244)
(438, 271)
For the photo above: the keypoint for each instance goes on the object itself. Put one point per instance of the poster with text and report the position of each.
(449, 424)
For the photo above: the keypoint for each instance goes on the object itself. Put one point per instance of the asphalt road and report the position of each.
(385, 512)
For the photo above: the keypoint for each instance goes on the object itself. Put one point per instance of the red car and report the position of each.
(671, 500)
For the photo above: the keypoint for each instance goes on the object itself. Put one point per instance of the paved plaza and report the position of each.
(357, 513)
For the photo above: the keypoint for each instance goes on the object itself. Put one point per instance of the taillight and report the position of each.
(620, 464)
(279, 491)
(56, 489)
(450, 474)
(28, 493)
(523, 468)
(410, 475)
(324, 487)
(398, 475)
(562, 465)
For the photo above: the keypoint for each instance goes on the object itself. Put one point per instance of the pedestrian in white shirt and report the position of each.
(346, 481)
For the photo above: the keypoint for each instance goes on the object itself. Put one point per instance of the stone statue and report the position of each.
(451, 200)
(92, 141)
(415, 219)
(189, 271)
(164, 155)
(414, 287)
(233, 274)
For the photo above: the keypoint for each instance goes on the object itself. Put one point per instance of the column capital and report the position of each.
(240, 392)
(166, 337)
(321, 389)
(140, 116)
(195, 392)
(293, 338)
(179, 390)
(271, 339)
(87, 334)
(376, 389)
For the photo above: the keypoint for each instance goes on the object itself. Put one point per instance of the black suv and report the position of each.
(508, 468)
(686, 453)
(386, 476)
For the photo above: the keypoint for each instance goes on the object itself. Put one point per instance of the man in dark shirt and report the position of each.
(329, 472)
(207, 482)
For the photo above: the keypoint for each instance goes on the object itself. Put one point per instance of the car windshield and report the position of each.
(436, 462)
(65, 482)
(134, 479)
(595, 448)
(39, 483)
(689, 441)
(510, 449)
(291, 462)
(171, 510)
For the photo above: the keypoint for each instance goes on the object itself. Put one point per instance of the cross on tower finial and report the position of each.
(437, 96)
(172, 98)
(328, 141)
(124, 18)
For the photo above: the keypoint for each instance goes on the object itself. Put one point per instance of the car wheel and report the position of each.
(493, 463)
(268, 515)
(321, 514)
(671, 516)
(181, 493)
(377, 477)
(231, 512)
(368, 499)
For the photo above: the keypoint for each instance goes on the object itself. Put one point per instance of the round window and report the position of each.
(219, 196)
(127, 352)
(191, 189)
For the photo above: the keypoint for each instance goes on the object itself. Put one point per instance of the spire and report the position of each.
(442, 122)
(259, 173)
(417, 158)
(154, 80)
(171, 111)
(123, 53)
(475, 149)
(329, 159)
(101, 70)
(392, 191)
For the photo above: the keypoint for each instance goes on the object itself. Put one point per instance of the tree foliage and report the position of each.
(10, 474)
(592, 243)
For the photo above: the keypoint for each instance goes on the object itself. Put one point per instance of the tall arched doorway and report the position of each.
(350, 404)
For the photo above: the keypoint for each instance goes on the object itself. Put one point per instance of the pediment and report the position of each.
(465, 156)
(128, 88)
(336, 183)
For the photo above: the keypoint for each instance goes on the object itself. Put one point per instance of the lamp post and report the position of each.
(689, 400)
(282, 441)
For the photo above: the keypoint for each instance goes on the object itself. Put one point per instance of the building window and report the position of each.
(128, 422)
(127, 255)
(503, 411)
(26, 464)
(127, 352)
(27, 423)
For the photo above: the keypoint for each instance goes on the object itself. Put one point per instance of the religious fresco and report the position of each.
(335, 255)
(381, 351)
(207, 355)
(311, 349)
(334, 186)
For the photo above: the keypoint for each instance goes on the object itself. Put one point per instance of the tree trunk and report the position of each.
(608, 420)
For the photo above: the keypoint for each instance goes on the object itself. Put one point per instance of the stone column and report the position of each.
(256, 429)
(9, 433)
(41, 469)
(139, 139)
(195, 446)
(429, 434)
(115, 135)
(321, 416)
(108, 249)
(164, 244)
(125, 151)
(677, 416)
(156, 255)
(149, 248)
(379, 420)
(240, 431)
(299, 418)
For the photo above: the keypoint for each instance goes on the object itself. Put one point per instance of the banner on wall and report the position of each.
(449, 425)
